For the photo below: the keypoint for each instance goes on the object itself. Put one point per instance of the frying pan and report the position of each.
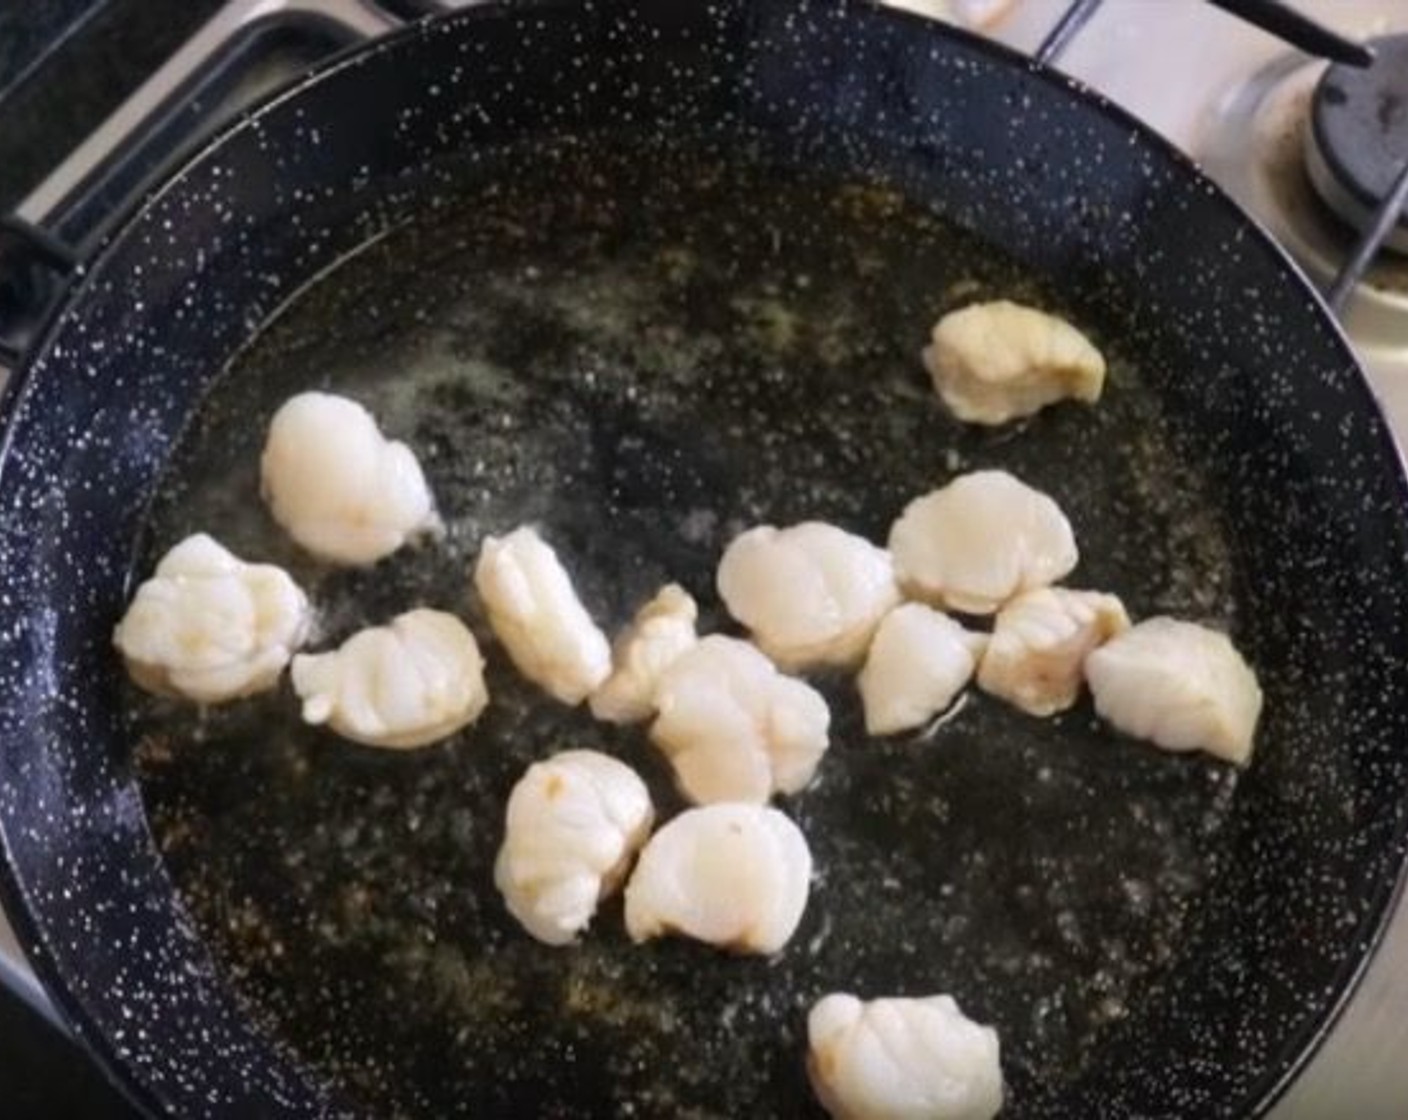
(645, 273)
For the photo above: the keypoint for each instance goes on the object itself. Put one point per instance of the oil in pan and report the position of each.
(643, 352)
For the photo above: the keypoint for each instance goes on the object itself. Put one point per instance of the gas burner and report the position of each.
(1254, 143)
(1358, 137)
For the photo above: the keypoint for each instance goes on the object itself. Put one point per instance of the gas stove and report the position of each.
(1310, 149)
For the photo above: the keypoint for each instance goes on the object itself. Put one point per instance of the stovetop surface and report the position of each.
(107, 48)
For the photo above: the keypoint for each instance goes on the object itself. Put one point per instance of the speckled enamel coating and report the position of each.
(317, 935)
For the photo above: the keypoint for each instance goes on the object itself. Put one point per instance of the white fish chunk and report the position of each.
(982, 539)
(811, 594)
(733, 727)
(994, 362)
(1181, 686)
(209, 627)
(1040, 641)
(661, 631)
(732, 875)
(902, 1059)
(535, 611)
(338, 486)
(573, 825)
(416, 680)
(918, 663)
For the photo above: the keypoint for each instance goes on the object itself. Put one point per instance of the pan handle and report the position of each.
(1300, 31)
(63, 221)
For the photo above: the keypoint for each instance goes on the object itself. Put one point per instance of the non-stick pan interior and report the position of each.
(643, 337)
(643, 351)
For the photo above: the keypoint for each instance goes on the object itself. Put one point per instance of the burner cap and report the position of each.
(1358, 136)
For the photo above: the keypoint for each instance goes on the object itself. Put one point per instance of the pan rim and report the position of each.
(1280, 1073)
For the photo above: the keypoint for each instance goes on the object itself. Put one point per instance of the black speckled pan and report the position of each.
(645, 274)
